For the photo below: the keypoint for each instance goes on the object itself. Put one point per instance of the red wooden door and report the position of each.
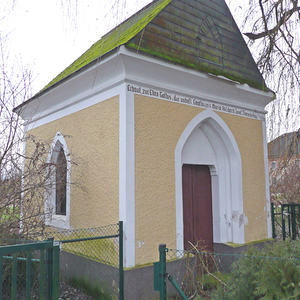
(197, 207)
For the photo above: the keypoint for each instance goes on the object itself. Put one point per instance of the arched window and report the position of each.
(61, 183)
(57, 197)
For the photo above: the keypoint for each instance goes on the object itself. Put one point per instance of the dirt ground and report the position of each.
(67, 292)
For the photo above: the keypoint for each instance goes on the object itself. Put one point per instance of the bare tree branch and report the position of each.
(269, 32)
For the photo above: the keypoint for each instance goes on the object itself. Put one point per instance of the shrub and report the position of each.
(271, 273)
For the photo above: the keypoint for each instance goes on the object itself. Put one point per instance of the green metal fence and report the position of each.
(102, 244)
(285, 221)
(29, 271)
(196, 274)
(180, 274)
(161, 276)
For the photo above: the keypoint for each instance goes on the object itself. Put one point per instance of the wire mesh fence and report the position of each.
(91, 258)
(193, 271)
(272, 272)
(100, 244)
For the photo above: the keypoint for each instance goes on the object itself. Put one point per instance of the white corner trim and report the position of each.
(231, 213)
(127, 174)
(266, 162)
(23, 151)
(52, 219)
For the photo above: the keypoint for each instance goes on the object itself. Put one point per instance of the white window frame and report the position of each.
(51, 218)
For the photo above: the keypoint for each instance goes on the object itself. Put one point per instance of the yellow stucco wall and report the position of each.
(93, 141)
(94, 146)
(158, 126)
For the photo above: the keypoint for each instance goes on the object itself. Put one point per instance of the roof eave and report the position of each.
(65, 79)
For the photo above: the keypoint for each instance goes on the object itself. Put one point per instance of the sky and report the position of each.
(46, 36)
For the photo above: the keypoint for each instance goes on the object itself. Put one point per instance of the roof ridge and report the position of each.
(209, 42)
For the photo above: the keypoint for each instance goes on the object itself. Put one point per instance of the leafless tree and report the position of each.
(284, 153)
(24, 175)
(285, 184)
(273, 33)
(14, 89)
(272, 28)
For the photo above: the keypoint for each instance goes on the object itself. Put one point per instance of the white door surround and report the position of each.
(207, 140)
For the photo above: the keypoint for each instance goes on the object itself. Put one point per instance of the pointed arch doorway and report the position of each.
(207, 141)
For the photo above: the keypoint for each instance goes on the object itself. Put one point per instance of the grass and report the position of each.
(252, 243)
(103, 251)
(9, 214)
(94, 290)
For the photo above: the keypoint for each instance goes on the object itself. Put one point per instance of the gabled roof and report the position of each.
(120, 35)
(198, 34)
(285, 145)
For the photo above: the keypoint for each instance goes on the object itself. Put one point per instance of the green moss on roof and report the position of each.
(115, 38)
(203, 67)
(198, 34)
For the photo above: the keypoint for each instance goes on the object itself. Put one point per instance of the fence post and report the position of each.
(1, 275)
(283, 222)
(28, 275)
(121, 267)
(14, 277)
(289, 220)
(273, 221)
(297, 220)
(49, 260)
(293, 217)
(55, 272)
(162, 273)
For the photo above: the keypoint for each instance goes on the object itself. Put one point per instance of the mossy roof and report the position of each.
(115, 38)
(198, 34)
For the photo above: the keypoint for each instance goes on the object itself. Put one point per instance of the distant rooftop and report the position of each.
(287, 144)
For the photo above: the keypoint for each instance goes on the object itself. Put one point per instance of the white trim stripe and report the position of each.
(127, 175)
(266, 162)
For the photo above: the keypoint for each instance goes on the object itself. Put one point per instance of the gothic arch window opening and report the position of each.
(61, 183)
(57, 196)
